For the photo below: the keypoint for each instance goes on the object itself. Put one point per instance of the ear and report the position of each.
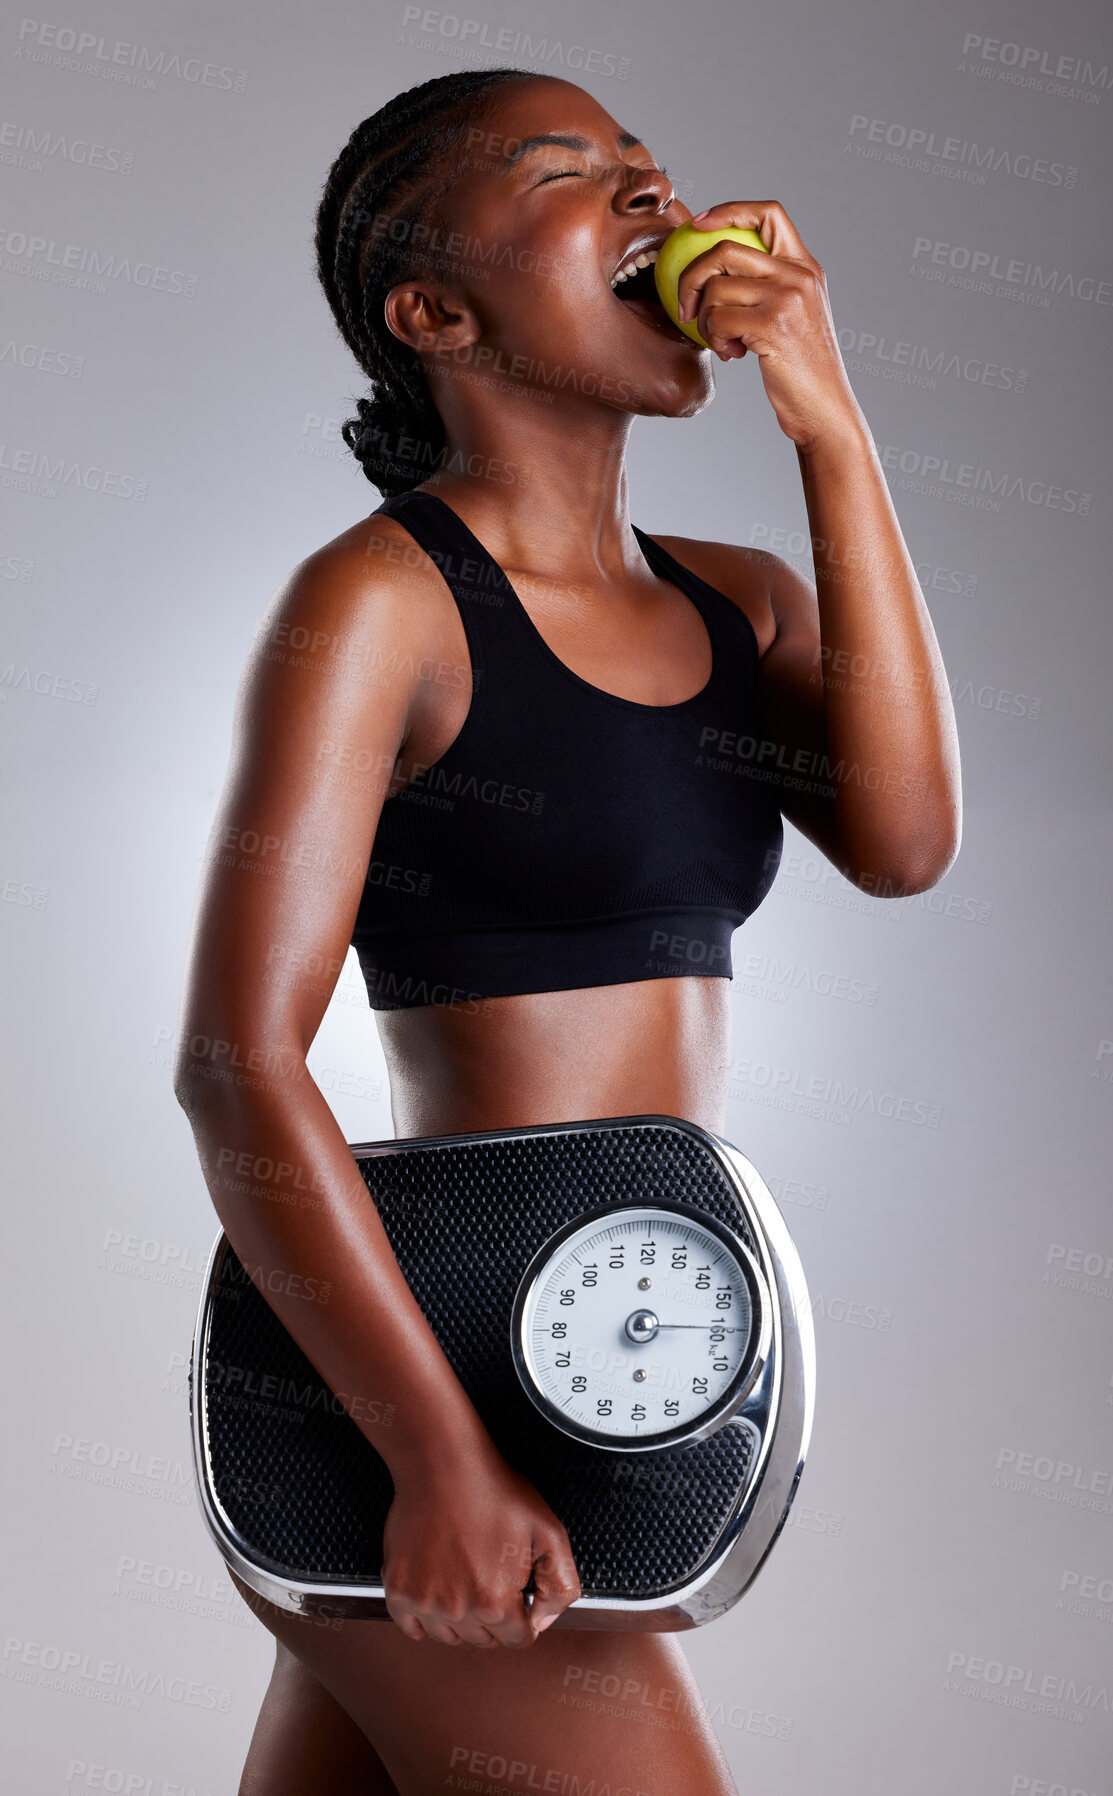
(428, 319)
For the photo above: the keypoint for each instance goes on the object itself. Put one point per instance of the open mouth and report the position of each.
(638, 292)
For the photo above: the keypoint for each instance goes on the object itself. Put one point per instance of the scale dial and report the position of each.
(641, 1327)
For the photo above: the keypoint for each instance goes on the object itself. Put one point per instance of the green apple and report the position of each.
(681, 247)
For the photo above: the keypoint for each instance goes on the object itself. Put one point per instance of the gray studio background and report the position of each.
(927, 1085)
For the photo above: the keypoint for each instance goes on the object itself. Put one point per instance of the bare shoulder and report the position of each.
(371, 579)
(362, 613)
(775, 596)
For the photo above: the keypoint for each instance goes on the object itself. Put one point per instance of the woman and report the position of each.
(539, 809)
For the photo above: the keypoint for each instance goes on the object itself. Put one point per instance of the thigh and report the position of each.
(305, 1744)
(576, 1710)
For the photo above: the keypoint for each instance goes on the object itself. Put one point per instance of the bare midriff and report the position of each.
(649, 1047)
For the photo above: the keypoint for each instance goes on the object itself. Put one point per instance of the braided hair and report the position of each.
(393, 169)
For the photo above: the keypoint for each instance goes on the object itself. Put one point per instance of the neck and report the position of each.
(544, 485)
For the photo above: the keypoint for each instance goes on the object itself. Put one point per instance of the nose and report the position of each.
(644, 190)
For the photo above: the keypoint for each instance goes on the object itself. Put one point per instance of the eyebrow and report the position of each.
(571, 140)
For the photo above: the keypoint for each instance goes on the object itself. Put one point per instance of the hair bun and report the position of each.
(382, 438)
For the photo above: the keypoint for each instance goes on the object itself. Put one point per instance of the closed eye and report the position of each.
(560, 173)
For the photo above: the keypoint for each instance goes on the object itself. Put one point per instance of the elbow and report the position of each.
(910, 874)
(202, 1076)
(935, 855)
(911, 883)
(194, 1075)
(182, 1074)
(191, 1087)
(911, 868)
(212, 1071)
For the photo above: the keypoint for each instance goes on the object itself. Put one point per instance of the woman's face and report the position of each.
(543, 228)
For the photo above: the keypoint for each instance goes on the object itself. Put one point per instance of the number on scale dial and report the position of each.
(641, 1327)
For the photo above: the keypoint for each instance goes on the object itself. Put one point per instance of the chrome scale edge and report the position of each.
(785, 1393)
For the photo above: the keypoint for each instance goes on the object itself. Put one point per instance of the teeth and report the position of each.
(645, 260)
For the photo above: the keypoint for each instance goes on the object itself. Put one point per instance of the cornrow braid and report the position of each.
(394, 167)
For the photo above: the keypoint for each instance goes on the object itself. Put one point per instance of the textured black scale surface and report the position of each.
(304, 1489)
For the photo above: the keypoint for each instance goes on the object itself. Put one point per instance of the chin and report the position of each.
(684, 398)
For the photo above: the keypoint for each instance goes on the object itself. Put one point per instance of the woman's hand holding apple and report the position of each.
(725, 291)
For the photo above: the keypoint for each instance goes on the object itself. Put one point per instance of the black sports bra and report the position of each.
(568, 837)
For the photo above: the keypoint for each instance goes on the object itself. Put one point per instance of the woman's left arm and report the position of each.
(856, 710)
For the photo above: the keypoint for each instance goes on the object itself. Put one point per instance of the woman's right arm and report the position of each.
(323, 711)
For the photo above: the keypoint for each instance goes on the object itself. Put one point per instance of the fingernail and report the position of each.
(702, 214)
(545, 1622)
